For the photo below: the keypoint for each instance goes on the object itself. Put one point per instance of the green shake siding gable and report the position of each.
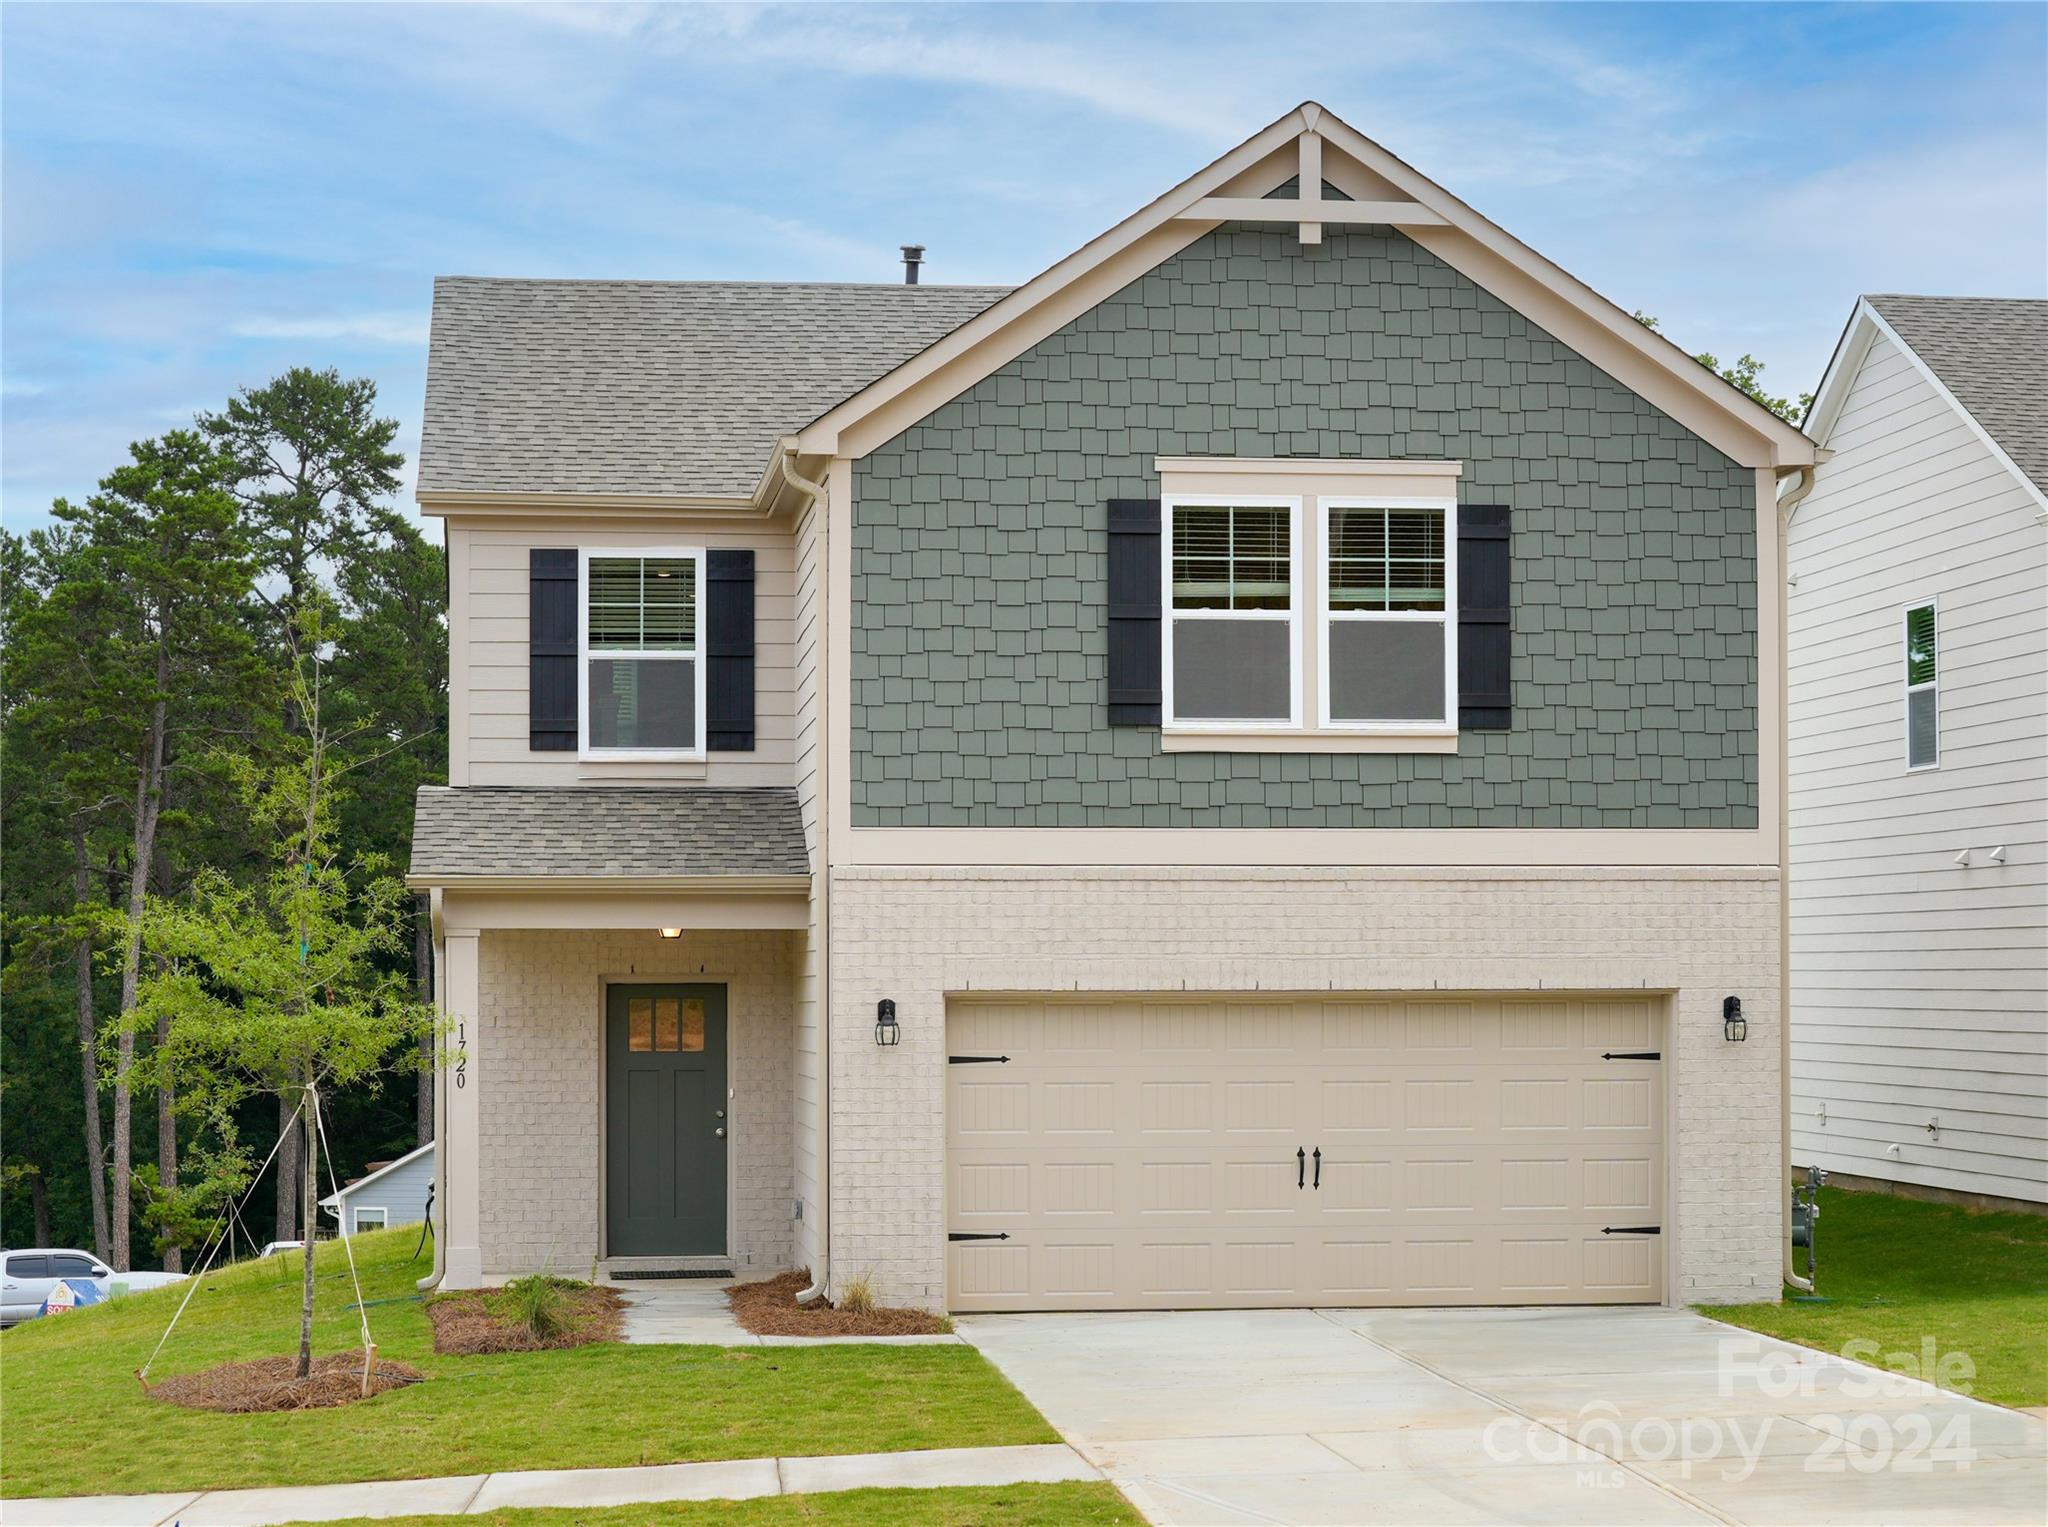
(979, 545)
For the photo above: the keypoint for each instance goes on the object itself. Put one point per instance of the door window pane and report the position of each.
(693, 1023)
(665, 1025)
(62, 1266)
(640, 1023)
(28, 1267)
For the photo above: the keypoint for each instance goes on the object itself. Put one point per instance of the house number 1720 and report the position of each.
(461, 1054)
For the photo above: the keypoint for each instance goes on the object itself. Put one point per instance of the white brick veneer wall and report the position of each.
(541, 1097)
(919, 934)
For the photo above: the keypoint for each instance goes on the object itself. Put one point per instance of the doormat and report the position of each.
(672, 1272)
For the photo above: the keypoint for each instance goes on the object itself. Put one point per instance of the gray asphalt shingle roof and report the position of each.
(587, 830)
(656, 387)
(1992, 353)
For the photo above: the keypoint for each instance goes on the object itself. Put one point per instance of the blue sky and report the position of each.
(196, 197)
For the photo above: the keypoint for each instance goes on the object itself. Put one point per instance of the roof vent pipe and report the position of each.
(913, 256)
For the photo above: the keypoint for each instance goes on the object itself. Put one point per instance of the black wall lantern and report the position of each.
(886, 1031)
(1734, 1026)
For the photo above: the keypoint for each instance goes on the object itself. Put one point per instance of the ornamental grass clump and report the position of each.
(536, 1304)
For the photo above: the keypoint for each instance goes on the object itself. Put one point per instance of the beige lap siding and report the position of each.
(541, 1088)
(917, 935)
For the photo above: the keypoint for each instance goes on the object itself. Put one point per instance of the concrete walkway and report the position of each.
(695, 1313)
(736, 1479)
(1584, 1416)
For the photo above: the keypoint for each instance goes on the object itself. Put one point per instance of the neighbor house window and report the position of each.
(1923, 704)
(1233, 597)
(370, 1219)
(642, 668)
(1388, 579)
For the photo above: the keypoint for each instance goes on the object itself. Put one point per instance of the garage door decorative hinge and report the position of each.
(977, 1235)
(1632, 1230)
(1631, 1054)
(977, 1060)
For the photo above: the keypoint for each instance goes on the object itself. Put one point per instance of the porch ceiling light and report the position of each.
(887, 1031)
(671, 933)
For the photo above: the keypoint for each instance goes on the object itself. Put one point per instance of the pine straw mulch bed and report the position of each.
(769, 1308)
(466, 1324)
(268, 1384)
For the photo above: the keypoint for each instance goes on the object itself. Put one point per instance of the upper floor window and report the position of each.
(642, 670)
(1232, 601)
(1386, 596)
(1325, 613)
(1923, 703)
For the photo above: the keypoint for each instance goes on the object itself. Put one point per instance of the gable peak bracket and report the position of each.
(1310, 182)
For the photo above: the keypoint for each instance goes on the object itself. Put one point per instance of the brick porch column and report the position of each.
(461, 1216)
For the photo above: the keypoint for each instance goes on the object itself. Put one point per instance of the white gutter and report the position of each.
(1787, 502)
(439, 1269)
(821, 880)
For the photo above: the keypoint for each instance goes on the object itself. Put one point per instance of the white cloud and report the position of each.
(366, 328)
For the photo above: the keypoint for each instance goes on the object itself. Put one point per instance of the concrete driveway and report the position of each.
(1323, 1417)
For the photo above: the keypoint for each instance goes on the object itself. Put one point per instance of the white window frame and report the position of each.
(1446, 617)
(357, 1211)
(1295, 549)
(584, 750)
(1908, 689)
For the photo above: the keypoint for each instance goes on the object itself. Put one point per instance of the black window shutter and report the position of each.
(729, 651)
(1134, 615)
(551, 650)
(1485, 689)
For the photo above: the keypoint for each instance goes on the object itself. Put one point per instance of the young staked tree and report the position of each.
(312, 464)
(391, 661)
(138, 641)
(295, 983)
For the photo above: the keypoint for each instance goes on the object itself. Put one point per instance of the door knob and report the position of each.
(720, 1131)
(718, 1113)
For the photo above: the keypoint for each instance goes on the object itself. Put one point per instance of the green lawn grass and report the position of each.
(1896, 1271)
(76, 1422)
(1069, 1505)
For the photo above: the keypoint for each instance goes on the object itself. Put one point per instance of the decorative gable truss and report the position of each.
(1308, 206)
(1312, 170)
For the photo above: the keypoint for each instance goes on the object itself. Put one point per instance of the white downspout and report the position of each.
(1787, 502)
(814, 497)
(439, 1268)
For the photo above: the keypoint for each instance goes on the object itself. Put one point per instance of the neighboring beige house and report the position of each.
(1919, 754)
(1246, 770)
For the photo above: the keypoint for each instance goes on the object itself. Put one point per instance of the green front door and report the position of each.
(665, 1121)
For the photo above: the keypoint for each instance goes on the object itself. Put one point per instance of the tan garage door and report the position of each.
(1132, 1154)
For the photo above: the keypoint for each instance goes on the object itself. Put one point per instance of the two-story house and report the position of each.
(1918, 698)
(1246, 770)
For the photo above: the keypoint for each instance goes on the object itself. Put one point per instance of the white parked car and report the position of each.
(276, 1246)
(30, 1274)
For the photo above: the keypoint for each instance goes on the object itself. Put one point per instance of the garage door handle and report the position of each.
(1300, 1167)
(1319, 1169)
(1632, 1230)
